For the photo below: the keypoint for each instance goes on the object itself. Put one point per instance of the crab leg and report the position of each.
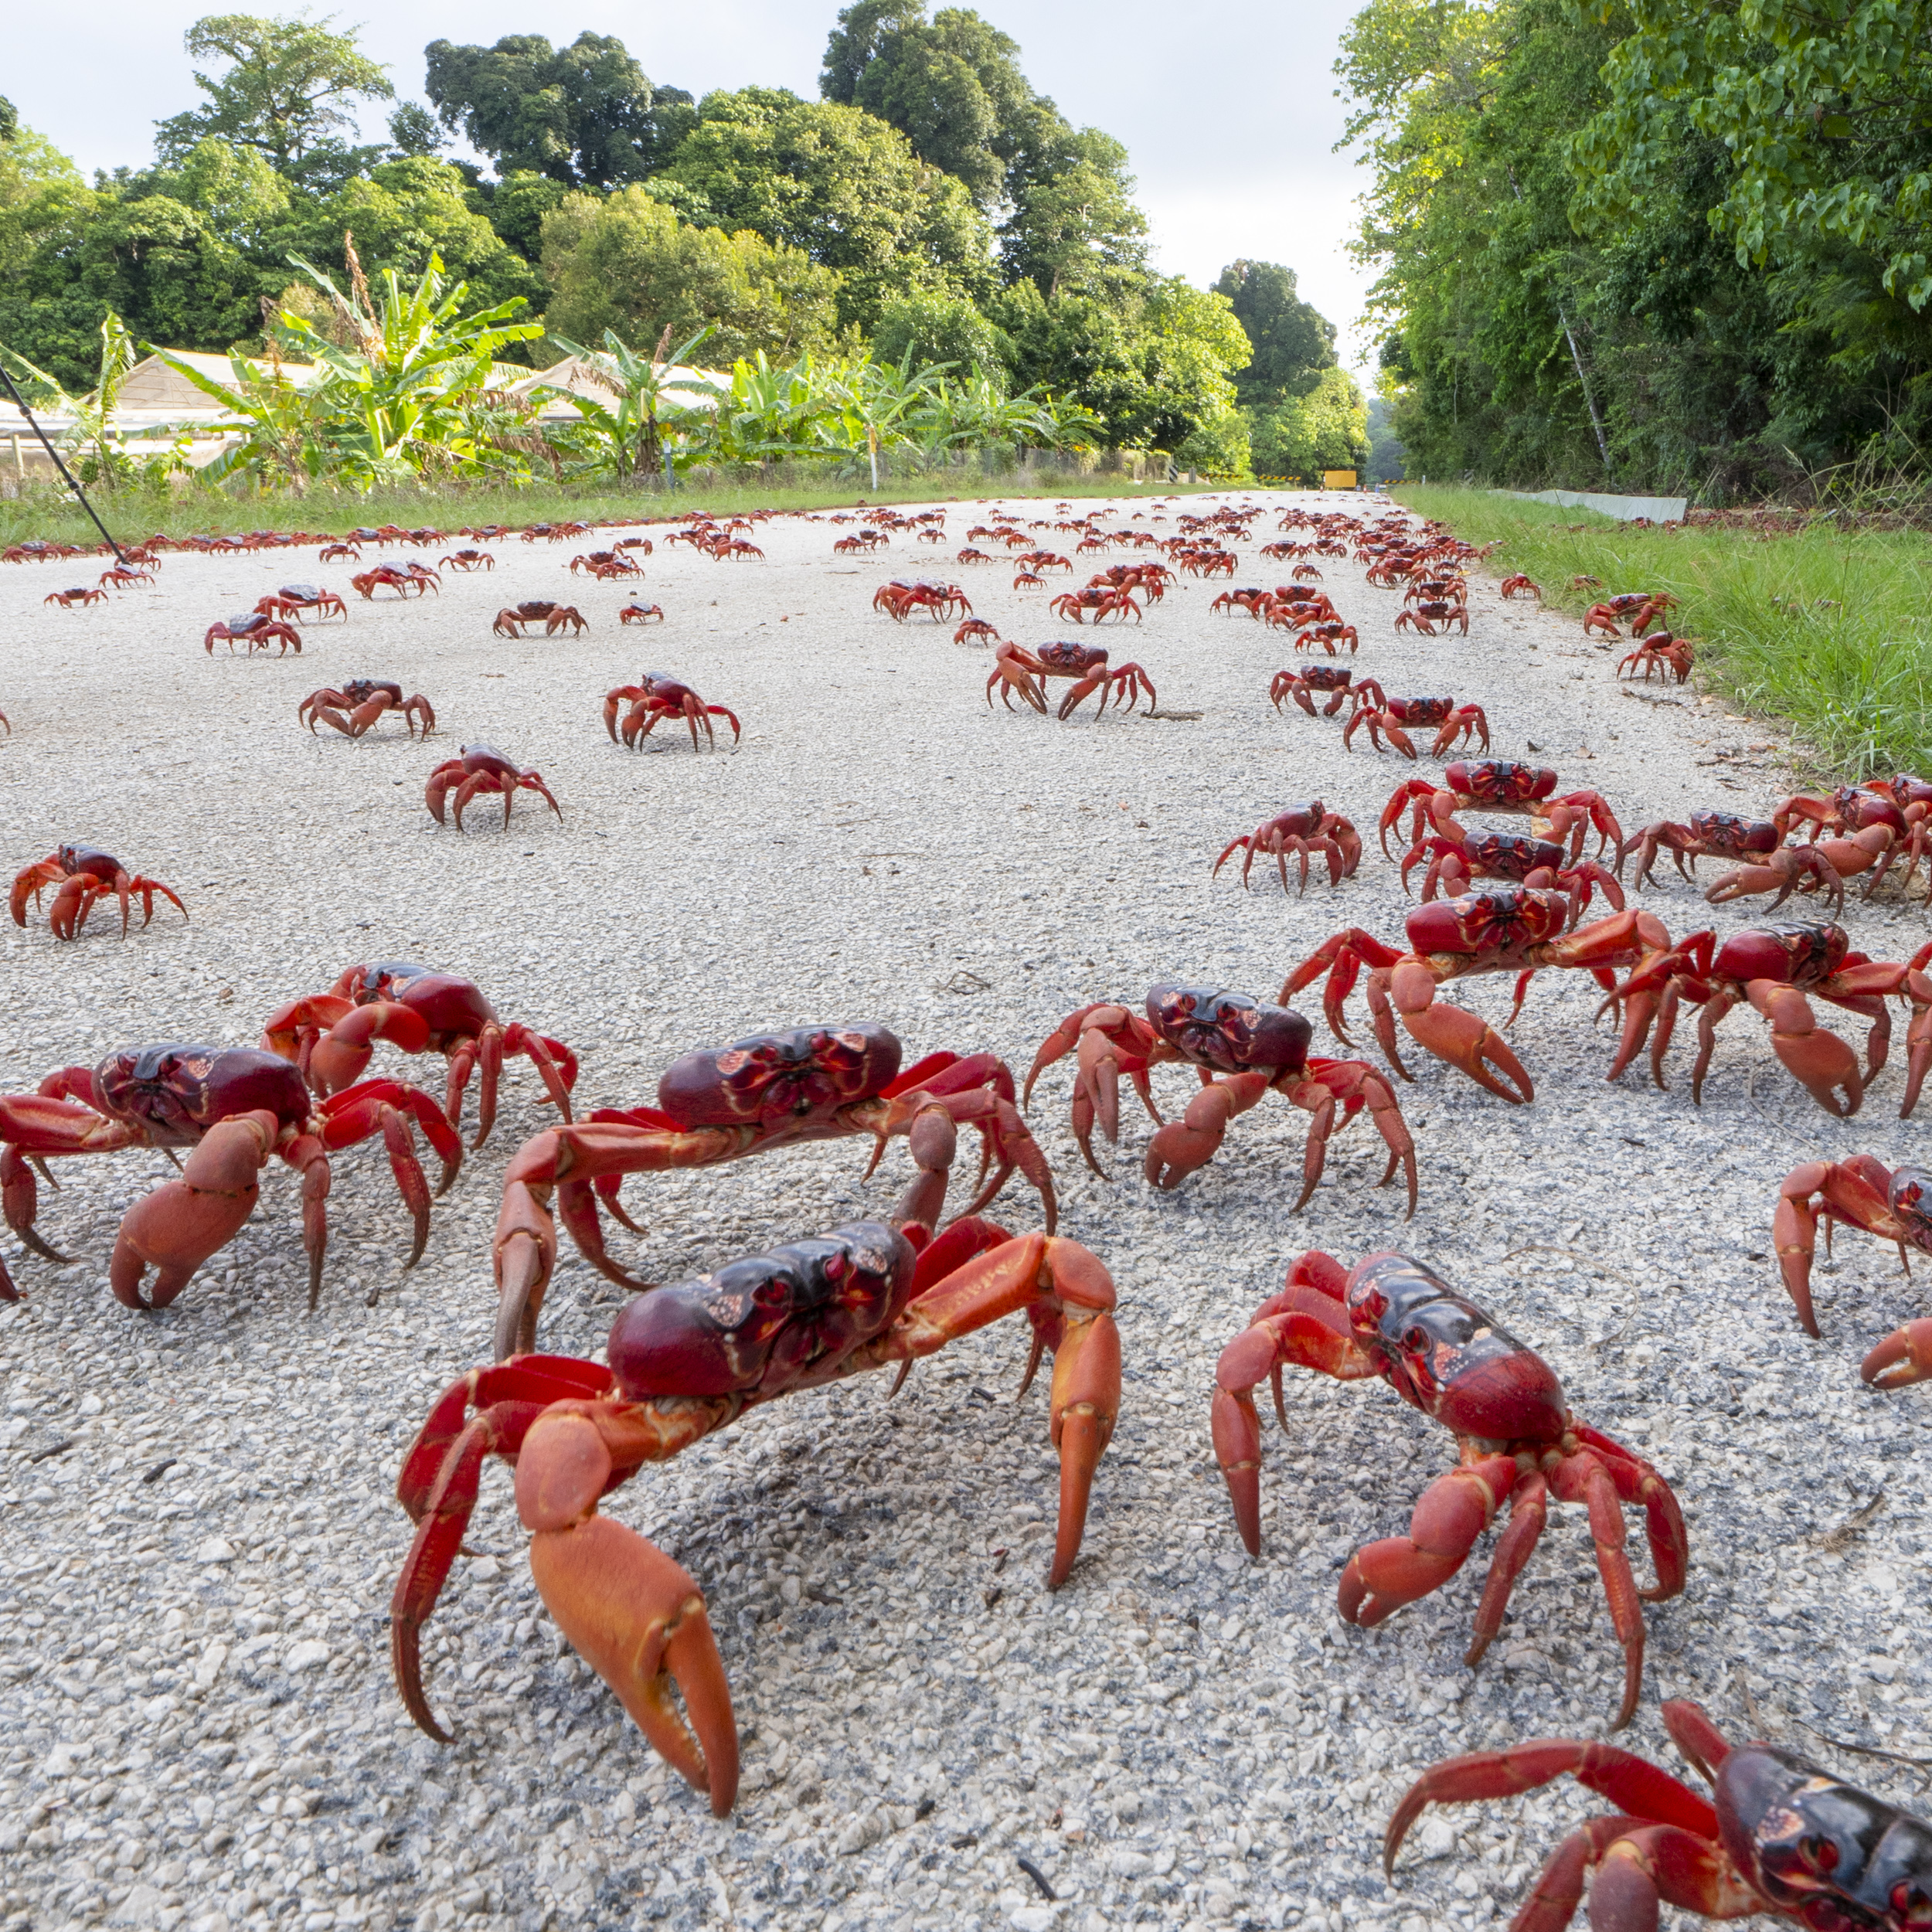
(1456, 1035)
(1902, 1357)
(1452, 1512)
(177, 1227)
(636, 1618)
(1819, 1061)
(1613, 1773)
(1066, 1282)
(1583, 1478)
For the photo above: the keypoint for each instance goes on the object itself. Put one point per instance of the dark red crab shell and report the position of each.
(1420, 710)
(1485, 922)
(447, 1002)
(90, 859)
(767, 1322)
(360, 690)
(176, 1090)
(1514, 854)
(1451, 1359)
(1074, 658)
(1799, 952)
(1208, 1026)
(487, 758)
(1857, 809)
(1725, 831)
(771, 1078)
(1499, 780)
(1326, 677)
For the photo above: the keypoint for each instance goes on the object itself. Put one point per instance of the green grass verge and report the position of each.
(1829, 630)
(47, 511)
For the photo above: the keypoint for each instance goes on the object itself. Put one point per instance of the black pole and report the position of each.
(19, 403)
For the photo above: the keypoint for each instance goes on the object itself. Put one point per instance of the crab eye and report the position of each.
(1820, 1854)
(1416, 1340)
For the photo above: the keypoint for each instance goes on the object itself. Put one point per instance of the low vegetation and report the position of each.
(1828, 628)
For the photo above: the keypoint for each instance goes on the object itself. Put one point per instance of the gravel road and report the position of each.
(200, 1533)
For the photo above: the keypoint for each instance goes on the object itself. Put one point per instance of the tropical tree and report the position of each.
(624, 437)
(1293, 341)
(585, 115)
(626, 262)
(836, 183)
(287, 90)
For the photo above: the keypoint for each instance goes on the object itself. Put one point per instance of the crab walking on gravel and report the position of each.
(690, 1359)
(1780, 1835)
(1394, 1317)
(720, 1104)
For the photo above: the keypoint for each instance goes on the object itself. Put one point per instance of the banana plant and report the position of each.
(404, 396)
(91, 437)
(625, 437)
(280, 426)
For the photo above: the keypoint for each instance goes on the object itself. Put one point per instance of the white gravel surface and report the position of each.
(200, 1534)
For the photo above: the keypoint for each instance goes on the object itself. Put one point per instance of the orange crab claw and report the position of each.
(634, 1616)
(1902, 1357)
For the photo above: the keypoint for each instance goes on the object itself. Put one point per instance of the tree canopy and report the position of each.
(585, 115)
(932, 215)
(287, 89)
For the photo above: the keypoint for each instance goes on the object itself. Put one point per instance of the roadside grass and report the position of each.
(1830, 630)
(48, 511)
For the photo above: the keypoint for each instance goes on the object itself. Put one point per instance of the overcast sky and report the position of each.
(1228, 111)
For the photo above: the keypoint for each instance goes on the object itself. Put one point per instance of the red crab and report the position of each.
(1501, 785)
(256, 628)
(1016, 668)
(1255, 603)
(1873, 827)
(403, 577)
(972, 629)
(552, 617)
(720, 1104)
(1254, 1049)
(1775, 966)
(1074, 605)
(339, 553)
(1643, 607)
(689, 1359)
(641, 614)
(235, 1107)
(898, 600)
(1389, 715)
(1520, 586)
(736, 547)
(1394, 1317)
(1860, 1192)
(1301, 684)
(331, 1036)
(482, 768)
(469, 560)
(359, 703)
(605, 563)
(1662, 655)
(1782, 1835)
(1770, 865)
(84, 875)
(81, 595)
(1540, 864)
(1427, 616)
(122, 579)
(1301, 829)
(1332, 636)
(292, 599)
(1509, 930)
(656, 696)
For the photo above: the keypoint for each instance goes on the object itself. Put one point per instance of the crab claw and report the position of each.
(634, 1616)
(176, 1228)
(1902, 1357)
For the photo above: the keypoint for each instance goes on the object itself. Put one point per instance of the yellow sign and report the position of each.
(1338, 479)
